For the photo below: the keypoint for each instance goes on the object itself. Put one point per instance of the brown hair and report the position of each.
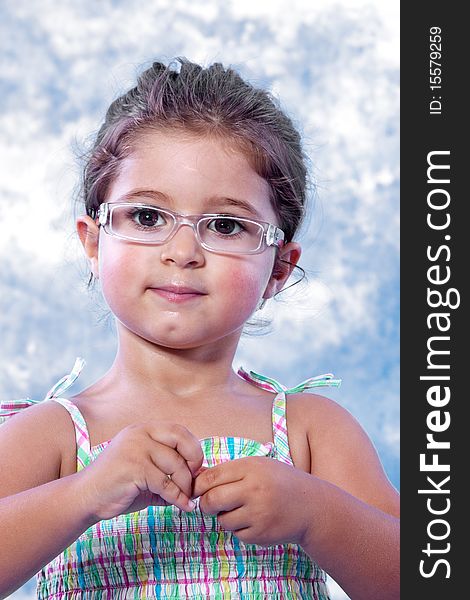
(207, 101)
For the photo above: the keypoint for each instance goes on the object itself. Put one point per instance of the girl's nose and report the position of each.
(183, 249)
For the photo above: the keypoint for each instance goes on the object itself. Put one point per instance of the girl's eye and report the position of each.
(146, 217)
(225, 226)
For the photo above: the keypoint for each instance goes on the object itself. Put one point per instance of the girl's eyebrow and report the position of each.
(146, 194)
(213, 204)
(223, 201)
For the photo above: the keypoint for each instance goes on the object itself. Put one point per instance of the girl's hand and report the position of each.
(150, 463)
(262, 500)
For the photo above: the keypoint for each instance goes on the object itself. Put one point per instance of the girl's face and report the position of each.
(189, 175)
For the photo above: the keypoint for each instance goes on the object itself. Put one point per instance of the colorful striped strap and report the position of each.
(327, 379)
(281, 438)
(81, 432)
(63, 384)
(12, 407)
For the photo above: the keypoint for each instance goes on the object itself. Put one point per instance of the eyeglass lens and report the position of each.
(153, 225)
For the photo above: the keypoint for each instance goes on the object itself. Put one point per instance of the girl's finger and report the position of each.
(223, 498)
(163, 485)
(228, 472)
(181, 439)
(235, 520)
(170, 462)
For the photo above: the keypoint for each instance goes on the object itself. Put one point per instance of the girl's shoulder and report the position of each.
(37, 445)
(339, 449)
(37, 438)
(320, 415)
(312, 421)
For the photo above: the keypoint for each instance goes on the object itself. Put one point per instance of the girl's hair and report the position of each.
(212, 101)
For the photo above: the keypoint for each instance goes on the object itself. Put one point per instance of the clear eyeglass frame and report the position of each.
(269, 234)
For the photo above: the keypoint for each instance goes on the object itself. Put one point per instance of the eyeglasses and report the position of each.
(148, 224)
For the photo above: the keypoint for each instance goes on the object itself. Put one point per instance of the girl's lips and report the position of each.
(178, 294)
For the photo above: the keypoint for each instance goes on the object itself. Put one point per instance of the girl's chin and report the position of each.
(175, 332)
(185, 341)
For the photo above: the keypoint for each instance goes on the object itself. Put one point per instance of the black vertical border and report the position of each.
(421, 133)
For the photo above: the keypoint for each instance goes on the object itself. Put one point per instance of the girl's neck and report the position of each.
(140, 364)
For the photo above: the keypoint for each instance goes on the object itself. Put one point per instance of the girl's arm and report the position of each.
(37, 525)
(356, 543)
(266, 502)
(41, 513)
(357, 538)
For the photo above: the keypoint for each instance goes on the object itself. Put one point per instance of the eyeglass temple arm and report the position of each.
(274, 236)
(103, 211)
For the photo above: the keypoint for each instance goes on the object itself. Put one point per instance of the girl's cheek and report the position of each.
(247, 287)
(117, 269)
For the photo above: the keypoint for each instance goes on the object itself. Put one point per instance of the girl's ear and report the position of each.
(88, 232)
(287, 257)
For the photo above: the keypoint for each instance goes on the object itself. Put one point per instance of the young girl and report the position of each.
(172, 476)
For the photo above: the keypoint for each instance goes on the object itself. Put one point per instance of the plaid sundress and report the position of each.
(163, 552)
